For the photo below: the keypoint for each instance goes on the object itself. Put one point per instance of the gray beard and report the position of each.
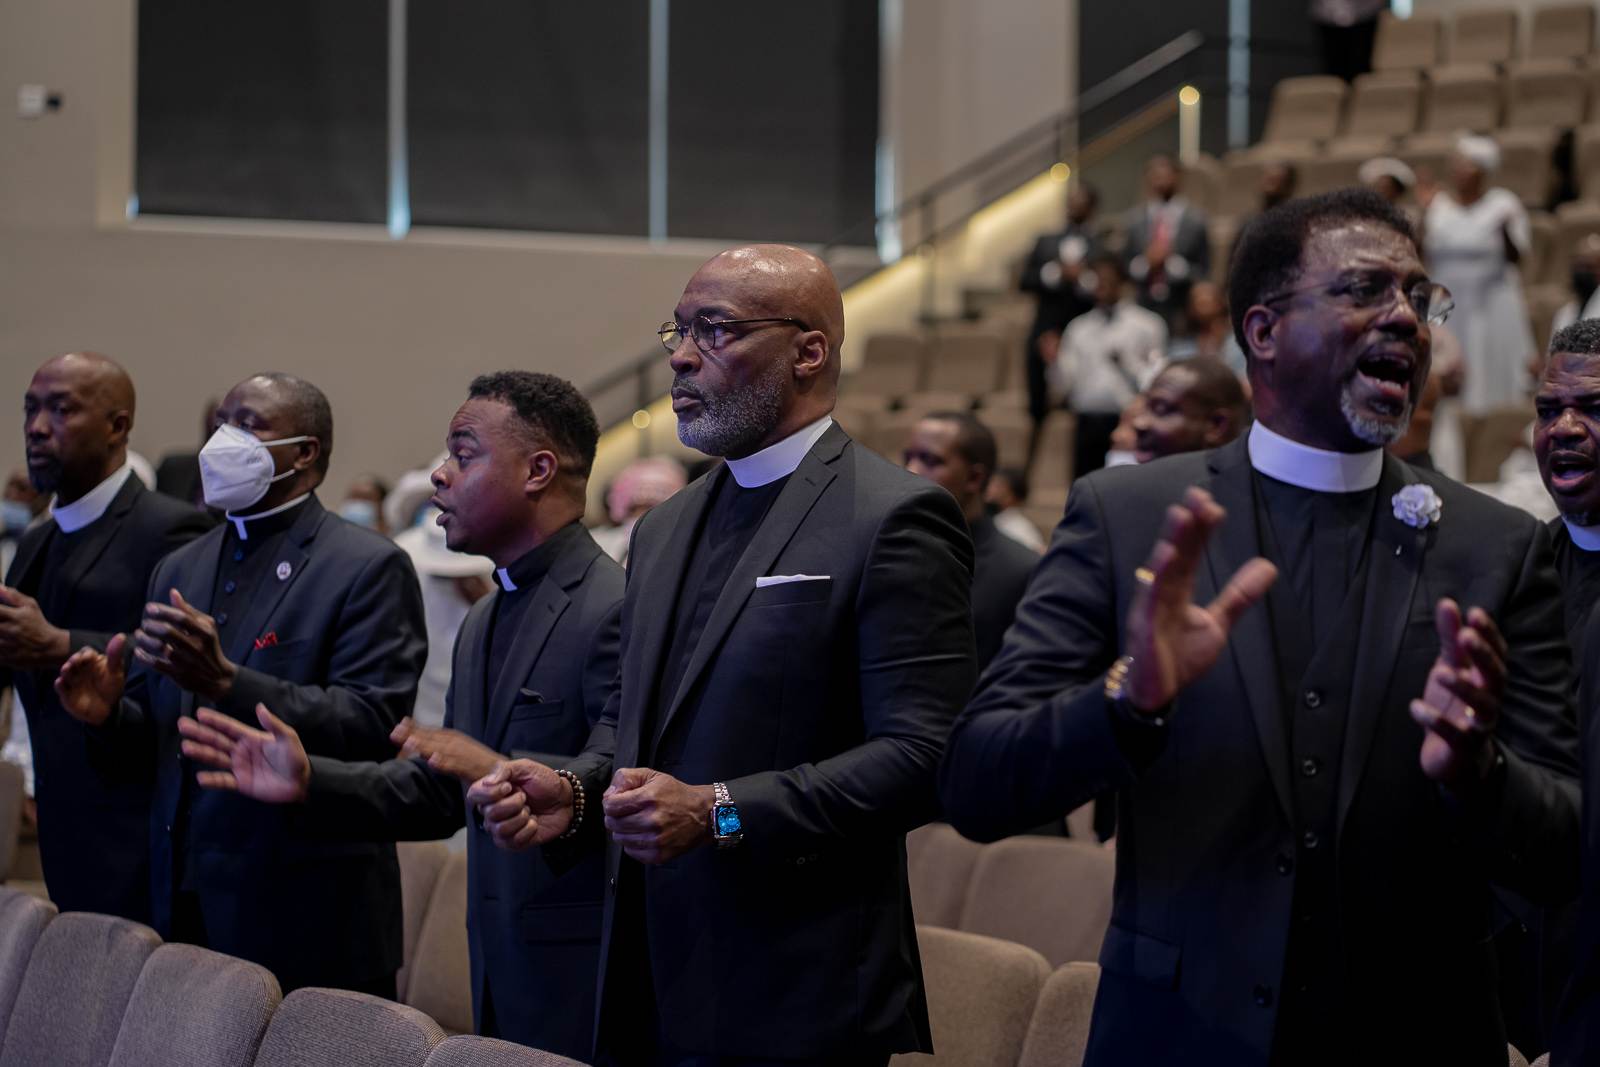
(735, 423)
(1372, 431)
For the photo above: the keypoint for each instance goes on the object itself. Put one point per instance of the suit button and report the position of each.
(1310, 839)
(229, 587)
(799, 861)
(1309, 767)
(238, 554)
(1285, 865)
(222, 618)
(613, 885)
(1313, 698)
(169, 828)
(1262, 995)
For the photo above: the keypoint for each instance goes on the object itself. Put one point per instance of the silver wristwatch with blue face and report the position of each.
(726, 829)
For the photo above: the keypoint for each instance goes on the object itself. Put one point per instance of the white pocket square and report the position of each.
(785, 579)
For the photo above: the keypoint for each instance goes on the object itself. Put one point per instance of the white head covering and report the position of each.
(411, 490)
(1386, 167)
(432, 557)
(1482, 152)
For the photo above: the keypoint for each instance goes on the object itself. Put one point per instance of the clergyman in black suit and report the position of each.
(1316, 792)
(77, 578)
(1168, 245)
(532, 670)
(286, 605)
(1054, 275)
(955, 450)
(1566, 441)
(796, 641)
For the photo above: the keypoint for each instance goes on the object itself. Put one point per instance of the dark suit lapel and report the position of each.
(549, 604)
(271, 592)
(1392, 571)
(787, 513)
(1251, 643)
(96, 537)
(28, 550)
(468, 674)
(658, 575)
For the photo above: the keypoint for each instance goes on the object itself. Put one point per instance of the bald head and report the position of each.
(741, 385)
(77, 414)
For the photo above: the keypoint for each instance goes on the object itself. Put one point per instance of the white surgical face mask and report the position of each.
(236, 468)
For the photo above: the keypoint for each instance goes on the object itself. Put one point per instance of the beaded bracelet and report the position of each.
(577, 803)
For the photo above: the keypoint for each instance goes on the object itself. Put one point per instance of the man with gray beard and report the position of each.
(1331, 722)
(797, 639)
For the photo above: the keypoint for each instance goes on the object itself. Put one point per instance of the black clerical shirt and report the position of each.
(249, 563)
(730, 522)
(517, 583)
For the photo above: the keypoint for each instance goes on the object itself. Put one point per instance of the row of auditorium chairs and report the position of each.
(1483, 35)
(973, 361)
(1052, 894)
(992, 1003)
(1533, 94)
(85, 990)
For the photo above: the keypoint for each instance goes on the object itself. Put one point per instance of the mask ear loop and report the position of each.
(286, 441)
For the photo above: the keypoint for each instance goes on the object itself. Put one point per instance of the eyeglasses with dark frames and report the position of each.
(1431, 301)
(710, 334)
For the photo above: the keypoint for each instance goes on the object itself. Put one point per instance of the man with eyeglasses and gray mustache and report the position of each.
(797, 640)
(1331, 721)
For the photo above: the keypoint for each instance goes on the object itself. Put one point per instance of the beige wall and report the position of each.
(392, 330)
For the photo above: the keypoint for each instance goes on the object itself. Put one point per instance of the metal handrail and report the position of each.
(1102, 92)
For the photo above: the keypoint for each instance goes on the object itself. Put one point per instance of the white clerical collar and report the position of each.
(503, 576)
(779, 460)
(1316, 469)
(91, 505)
(1585, 537)
(240, 522)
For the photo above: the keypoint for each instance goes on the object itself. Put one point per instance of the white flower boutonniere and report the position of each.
(1417, 505)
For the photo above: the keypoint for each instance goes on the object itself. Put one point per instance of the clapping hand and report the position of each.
(1460, 704)
(269, 765)
(1171, 639)
(91, 682)
(180, 641)
(523, 803)
(27, 640)
(447, 751)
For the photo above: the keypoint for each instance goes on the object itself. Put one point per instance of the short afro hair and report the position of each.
(1267, 257)
(974, 441)
(1582, 338)
(309, 411)
(550, 409)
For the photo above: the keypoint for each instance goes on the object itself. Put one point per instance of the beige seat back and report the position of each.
(337, 1028)
(82, 972)
(196, 1008)
(1051, 894)
(981, 995)
(441, 972)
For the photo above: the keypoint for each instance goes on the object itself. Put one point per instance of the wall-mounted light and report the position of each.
(1060, 172)
(1188, 125)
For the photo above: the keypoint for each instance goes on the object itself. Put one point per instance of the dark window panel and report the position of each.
(263, 110)
(529, 115)
(772, 118)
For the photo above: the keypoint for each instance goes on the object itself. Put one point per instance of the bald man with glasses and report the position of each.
(797, 638)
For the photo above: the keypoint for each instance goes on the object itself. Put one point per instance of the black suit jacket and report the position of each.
(1191, 241)
(533, 935)
(1576, 1034)
(1058, 304)
(824, 706)
(94, 813)
(350, 647)
(1206, 836)
(999, 578)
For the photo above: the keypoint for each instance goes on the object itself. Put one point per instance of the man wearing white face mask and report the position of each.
(288, 605)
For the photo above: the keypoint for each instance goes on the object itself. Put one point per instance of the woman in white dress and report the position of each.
(1473, 237)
